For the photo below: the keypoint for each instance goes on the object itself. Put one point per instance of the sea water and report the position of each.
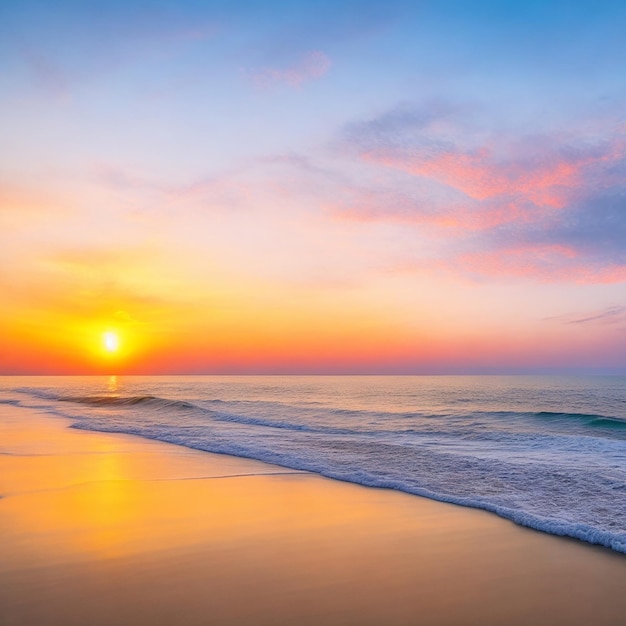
(545, 452)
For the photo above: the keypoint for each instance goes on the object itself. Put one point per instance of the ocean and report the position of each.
(545, 452)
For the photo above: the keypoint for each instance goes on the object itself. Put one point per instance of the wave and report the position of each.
(9, 401)
(43, 394)
(128, 401)
(589, 419)
(109, 400)
(360, 418)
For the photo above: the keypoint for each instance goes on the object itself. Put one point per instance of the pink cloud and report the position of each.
(546, 263)
(499, 177)
(311, 66)
(481, 175)
(543, 206)
(372, 205)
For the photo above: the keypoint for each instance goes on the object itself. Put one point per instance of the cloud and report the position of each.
(47, 74)
(594, 226)
(94, 281)
(125, 316)
(309, 66)
(456, 147)
(22, 204)
(610, 315)
(66, 49)
(546, 204)
(585, 242)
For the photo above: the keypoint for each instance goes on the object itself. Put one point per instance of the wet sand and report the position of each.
(112, 529)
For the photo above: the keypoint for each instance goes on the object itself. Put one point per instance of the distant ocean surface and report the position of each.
(545, 452)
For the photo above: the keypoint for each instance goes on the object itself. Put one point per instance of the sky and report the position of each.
(328, 187)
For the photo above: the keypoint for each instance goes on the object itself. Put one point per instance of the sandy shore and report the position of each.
(109, 529)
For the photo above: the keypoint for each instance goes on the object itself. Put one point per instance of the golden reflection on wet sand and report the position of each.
(105, 529)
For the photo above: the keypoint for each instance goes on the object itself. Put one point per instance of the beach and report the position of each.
(114, 529)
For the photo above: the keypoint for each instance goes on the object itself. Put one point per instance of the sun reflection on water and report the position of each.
(112, 384)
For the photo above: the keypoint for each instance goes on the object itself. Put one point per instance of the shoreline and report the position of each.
(111, 528)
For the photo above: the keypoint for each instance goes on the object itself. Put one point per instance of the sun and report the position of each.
(111, 341)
